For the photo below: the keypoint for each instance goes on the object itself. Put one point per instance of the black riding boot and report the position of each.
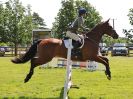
(76, 52)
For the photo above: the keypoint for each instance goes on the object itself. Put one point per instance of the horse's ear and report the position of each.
(108, 20)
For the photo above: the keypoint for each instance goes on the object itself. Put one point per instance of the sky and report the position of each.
(113, 9)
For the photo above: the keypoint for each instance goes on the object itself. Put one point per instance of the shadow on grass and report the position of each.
(24, 97)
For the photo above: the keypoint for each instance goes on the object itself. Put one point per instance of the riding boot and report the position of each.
(75, 44)
(76, 50)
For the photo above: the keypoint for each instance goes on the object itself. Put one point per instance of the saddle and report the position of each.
(76, 46)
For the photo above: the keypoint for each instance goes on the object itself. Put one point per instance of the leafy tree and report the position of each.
(65, 16)
(27, 26)
(68, 12)
(129, 33)
(1, 21)
(37, 20)
(110, 41)
(130, 15)
(17, 23)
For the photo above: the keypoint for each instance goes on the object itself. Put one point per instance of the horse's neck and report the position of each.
(94, 35)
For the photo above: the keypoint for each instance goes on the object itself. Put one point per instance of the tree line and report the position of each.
(18, 21)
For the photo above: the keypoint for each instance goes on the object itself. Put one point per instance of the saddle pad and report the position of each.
(66, 42)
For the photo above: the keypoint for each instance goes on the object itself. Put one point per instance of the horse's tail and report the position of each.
(28, 55)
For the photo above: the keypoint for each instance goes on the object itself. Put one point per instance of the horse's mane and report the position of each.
(95, 28)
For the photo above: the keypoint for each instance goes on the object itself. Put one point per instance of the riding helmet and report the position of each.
(82, 11)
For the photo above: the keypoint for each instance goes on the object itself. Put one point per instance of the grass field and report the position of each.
(48, 83)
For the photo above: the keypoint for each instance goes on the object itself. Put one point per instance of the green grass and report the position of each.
(48, 83)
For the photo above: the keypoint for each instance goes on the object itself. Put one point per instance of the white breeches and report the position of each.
(73, 36)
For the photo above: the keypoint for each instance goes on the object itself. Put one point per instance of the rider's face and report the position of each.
(84, 15)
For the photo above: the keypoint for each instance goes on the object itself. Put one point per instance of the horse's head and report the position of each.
(108, 29)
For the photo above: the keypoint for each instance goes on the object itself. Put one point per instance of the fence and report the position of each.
(10, 51)
(130, 51)
(21, 50)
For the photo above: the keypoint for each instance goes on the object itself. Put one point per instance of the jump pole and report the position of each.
(68, 82)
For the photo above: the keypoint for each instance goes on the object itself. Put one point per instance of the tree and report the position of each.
(130, 15)
(27, 26)
(1, 21)
(38, 21)
(68, 12)
(17, 23)
(129, 33)
(64, 17)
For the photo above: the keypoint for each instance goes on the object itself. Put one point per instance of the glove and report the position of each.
(87, 29)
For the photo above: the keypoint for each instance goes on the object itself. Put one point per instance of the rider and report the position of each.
(78, 24)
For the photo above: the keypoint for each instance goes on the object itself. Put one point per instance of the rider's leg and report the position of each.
(73, 36)
(76, 38)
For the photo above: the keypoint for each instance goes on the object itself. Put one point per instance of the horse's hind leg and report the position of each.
(34, 63)
(104, 61)
(31, 71)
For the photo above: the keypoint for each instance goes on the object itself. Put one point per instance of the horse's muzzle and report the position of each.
(115, 36)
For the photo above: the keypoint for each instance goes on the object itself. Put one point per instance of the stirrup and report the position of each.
(82, 43)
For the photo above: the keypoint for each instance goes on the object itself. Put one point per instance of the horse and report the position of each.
(47, 49)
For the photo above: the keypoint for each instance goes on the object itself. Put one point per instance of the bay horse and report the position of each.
(47, 49)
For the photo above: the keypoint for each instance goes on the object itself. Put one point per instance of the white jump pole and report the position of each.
(68, 81)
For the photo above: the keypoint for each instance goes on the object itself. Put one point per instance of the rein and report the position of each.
(96, 43)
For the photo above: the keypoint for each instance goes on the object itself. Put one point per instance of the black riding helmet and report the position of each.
(82, 11)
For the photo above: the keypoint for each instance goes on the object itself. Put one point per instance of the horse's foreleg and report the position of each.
(107, 66)
(104, 58)
(105, 62)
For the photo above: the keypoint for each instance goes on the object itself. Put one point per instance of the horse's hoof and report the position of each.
(106, 73)
(26, 80)
(108, 77)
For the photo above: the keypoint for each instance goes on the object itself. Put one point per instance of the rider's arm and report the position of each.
(81, 24)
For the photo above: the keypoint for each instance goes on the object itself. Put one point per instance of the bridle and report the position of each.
(97, 43)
